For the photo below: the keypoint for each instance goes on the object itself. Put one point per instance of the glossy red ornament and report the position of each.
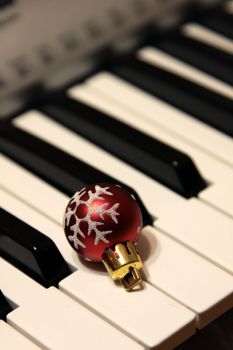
(99, 216)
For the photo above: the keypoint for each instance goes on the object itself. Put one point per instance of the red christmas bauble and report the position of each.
(99, 216)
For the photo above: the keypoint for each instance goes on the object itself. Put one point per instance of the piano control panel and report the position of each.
(52, 41)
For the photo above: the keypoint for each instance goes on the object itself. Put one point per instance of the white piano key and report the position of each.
(165, 116)
(57, 322)
(217, 174)
(146, 314)
(10, 339)
(177, 216)
(194, 281)
(177, 278)
(174, 65)
(54, 321)
(169, 266)
(207, 36)
(18, 287)
(220, 197)
(33, 188)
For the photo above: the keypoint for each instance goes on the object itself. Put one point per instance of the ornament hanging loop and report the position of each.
(122, 263)
(132, 279)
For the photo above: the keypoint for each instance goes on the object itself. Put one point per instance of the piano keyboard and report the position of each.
(157, 121)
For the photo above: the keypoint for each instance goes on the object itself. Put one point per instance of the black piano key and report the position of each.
(61, 170)
(5, 307)
(217, 335)
(5, 3)
(157, 160)
(31, 251)
(200, 55)
(195, 100)
(219, 21)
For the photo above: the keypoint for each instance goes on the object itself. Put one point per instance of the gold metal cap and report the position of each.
(122, 263)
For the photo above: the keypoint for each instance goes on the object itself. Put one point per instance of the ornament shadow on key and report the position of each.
(102, 222)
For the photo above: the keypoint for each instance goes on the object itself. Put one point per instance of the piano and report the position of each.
(133, 92)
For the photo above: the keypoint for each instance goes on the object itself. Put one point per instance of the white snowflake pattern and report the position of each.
(92, 225)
